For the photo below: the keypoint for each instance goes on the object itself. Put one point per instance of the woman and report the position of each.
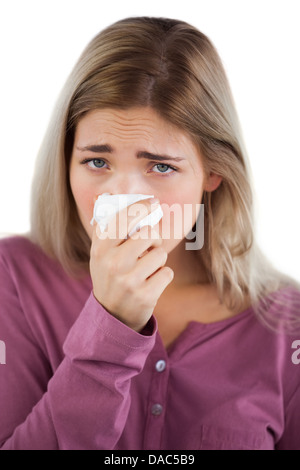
(140, 343)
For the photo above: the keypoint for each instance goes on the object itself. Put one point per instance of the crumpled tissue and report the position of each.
(107, 205)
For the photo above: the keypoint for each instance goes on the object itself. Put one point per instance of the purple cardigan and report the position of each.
(75, 377)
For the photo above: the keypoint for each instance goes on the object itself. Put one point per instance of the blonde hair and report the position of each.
(172, 67)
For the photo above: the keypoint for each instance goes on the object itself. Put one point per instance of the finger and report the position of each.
(137, 248)
(97, 233)
(157, 283)
(150, 263)
(96, 246)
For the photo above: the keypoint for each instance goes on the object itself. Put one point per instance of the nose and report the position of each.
(126, 184)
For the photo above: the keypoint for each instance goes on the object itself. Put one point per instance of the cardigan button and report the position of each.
(156, 409)
(160, 365)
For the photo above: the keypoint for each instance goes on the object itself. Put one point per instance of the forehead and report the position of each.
(131, 127)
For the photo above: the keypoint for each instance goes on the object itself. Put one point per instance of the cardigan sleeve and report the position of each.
(83, 404)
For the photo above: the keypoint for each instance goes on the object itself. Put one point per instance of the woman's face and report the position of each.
(136, 151)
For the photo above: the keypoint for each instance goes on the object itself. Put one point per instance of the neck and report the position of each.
(187, 267)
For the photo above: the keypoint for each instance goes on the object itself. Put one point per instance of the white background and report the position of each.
(259, 43)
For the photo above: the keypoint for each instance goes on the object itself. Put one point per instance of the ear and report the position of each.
(212, 182)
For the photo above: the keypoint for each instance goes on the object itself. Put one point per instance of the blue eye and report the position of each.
(164, 166)
(95, 163)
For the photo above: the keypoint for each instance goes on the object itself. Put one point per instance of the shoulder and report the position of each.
(23, 259)
(282, 361)
(279, 318)
(25, 264)
(17, 245)
(38, 285)
(288, 296)
(20, 250)
(282, 315)
(281, 309)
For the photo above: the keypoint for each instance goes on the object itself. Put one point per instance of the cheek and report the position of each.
(83, 196)
(84, 202)
(188, 191)
(181, 210)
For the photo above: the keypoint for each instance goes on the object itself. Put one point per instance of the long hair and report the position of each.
(175, 69)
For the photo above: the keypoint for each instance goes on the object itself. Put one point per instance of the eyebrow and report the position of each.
(104, 148)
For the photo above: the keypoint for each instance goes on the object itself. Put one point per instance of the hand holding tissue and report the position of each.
(127, 286)
(107, 205)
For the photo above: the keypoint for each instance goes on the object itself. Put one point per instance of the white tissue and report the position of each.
(107, 205)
